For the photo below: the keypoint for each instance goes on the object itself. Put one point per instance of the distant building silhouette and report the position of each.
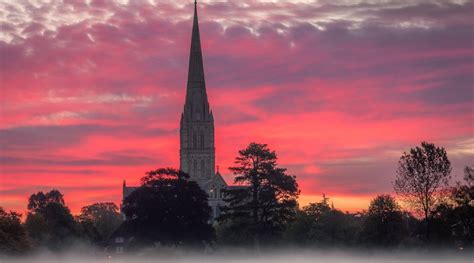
(197, 151)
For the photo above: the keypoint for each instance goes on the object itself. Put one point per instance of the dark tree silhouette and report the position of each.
(267, 200)
(38, 201)
(463, 192)
(463, 196)
(169, 209)
(99, 220)
(316, 210)
(232, 232)
(454, 220)
(384, 225)
(37, 228)
(298, 231)
(13, 237)
(303, 228)
(422, 175)
(89, 233)
(49, 221)
(442, 221)
(322, 225)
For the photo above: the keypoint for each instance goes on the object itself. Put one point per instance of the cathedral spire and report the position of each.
(196, 107)
(196, 68)
(197, 152)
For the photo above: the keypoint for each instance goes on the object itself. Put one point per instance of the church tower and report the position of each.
(196, 135)
(197, 152)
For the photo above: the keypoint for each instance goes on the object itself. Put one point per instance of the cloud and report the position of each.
(338, 88)
(47, 137)
(105, 159)
(52, 137)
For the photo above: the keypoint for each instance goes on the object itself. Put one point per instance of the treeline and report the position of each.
(262, 211)
(50, 225)
(266, 211)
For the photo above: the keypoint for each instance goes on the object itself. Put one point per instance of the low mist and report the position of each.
(235, 255)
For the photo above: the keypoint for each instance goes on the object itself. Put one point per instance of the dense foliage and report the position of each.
(384, 224)
(49, 221)
(266, 201)
(168, 209)
(320, 225)
(98, 221)
(13, 236)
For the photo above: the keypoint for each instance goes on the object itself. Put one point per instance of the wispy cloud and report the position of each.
(339, 88)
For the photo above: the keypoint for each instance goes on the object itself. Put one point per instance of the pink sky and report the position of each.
(91, 93)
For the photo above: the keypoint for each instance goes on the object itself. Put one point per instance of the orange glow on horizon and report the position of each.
(345, 203)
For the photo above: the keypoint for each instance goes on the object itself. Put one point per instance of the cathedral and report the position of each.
(196, 136)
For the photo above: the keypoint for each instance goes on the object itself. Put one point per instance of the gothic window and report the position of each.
(218, 211)
(198, 115)
(194, 140)
(195, 166)
(202, 140)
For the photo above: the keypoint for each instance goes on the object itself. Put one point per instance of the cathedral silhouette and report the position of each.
(197, 151)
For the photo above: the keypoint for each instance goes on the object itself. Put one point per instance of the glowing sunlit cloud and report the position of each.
(91, 94)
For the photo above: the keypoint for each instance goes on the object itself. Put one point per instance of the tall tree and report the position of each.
(266, 202)
(383, 225)
(101, 217)
(422, 175)
(169, 209)
(49, 221)
(13, 237)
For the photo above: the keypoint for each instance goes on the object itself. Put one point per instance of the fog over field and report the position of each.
(289, 256)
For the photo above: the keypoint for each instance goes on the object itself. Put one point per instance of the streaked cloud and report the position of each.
(95, 89)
